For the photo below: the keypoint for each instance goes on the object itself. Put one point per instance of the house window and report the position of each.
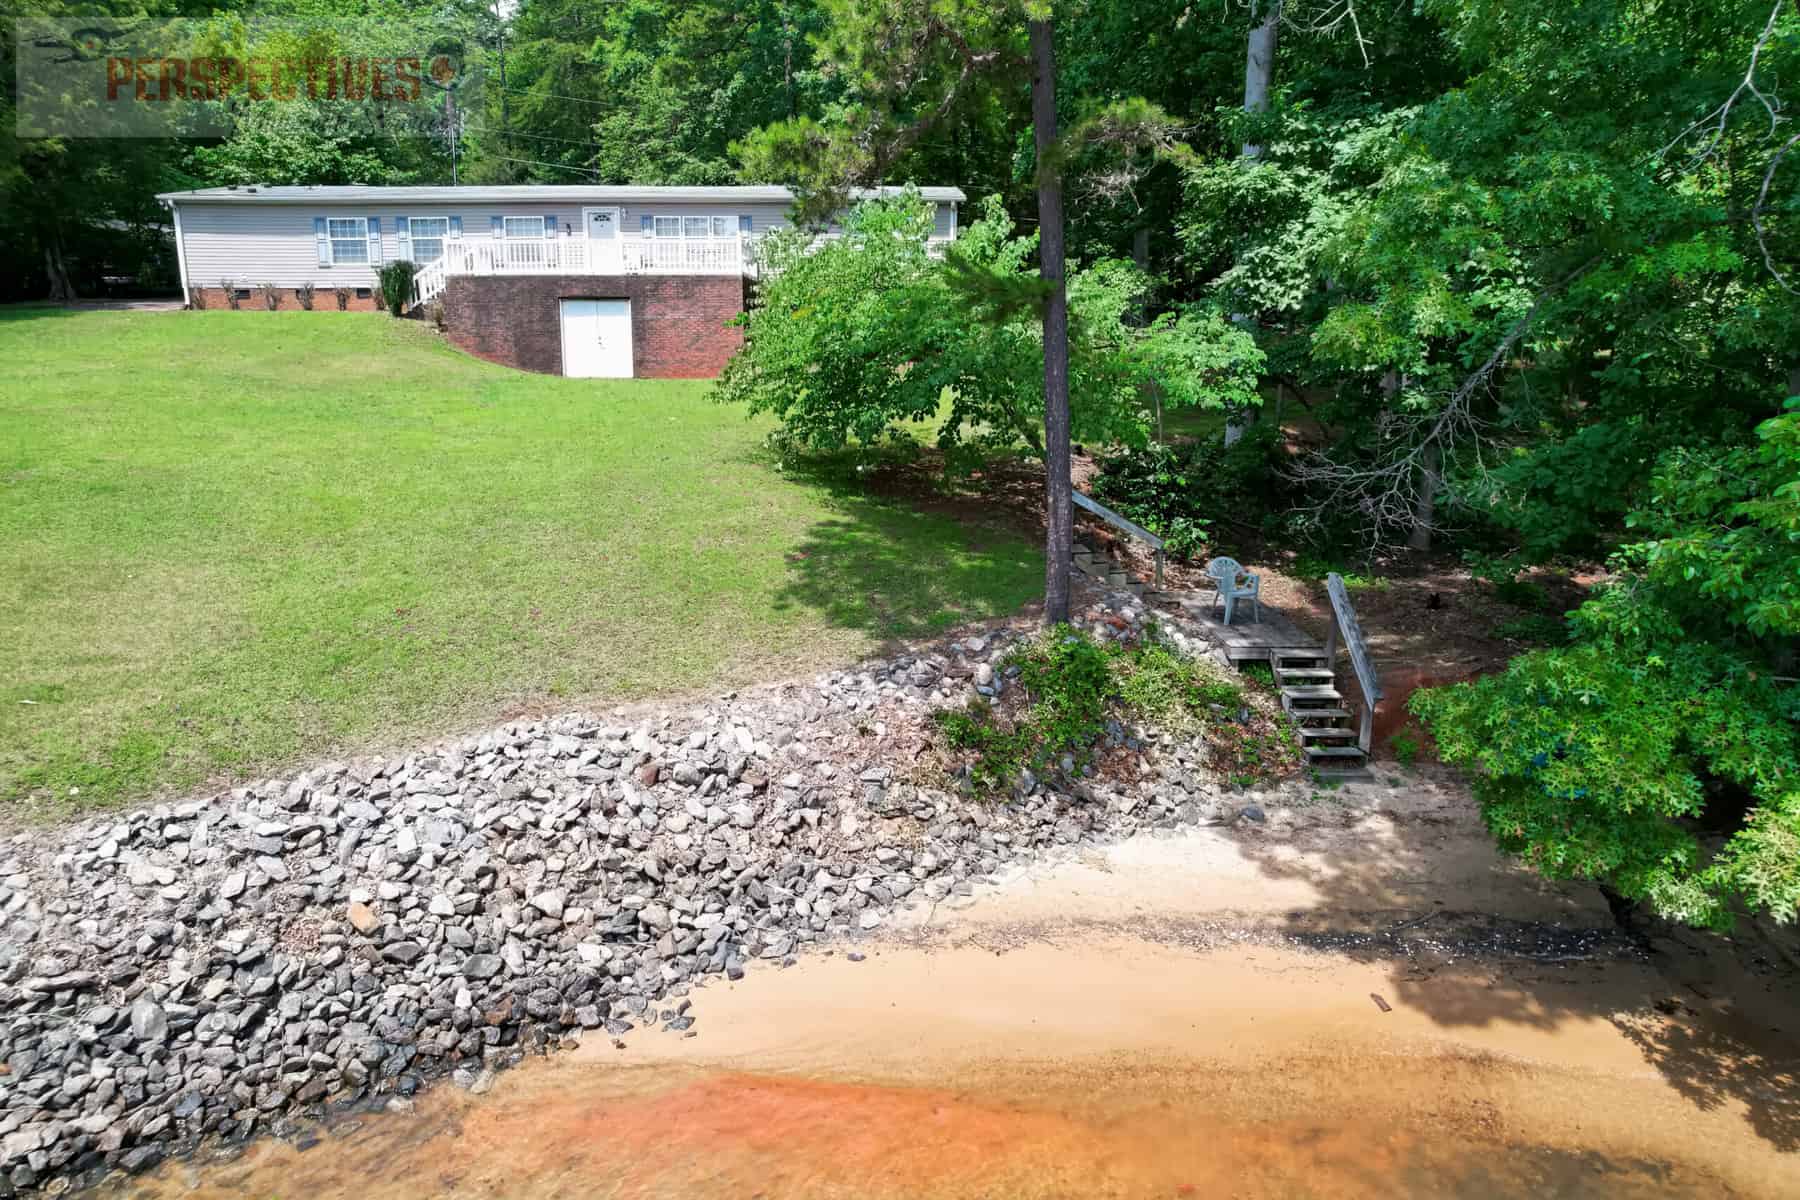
(694, 227)
(349, 239)
(428, 234)
(524, 227)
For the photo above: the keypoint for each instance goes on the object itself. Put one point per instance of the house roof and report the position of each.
(628, 194)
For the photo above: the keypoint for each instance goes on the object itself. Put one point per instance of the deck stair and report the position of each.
(1305, 674)
(1310, 696)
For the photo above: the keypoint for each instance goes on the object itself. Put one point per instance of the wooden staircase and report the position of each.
(1304, 671)
(1320, 713)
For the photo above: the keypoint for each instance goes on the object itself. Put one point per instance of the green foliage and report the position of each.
(1522, 593)
(1592, 767)
(902, 68)
(1067, 679)
(1074, 691)
(303, 142)
(1316, 567)
(1620, 757)
(1185, 491)
(1555, 198)
(1259, 673)
(1269, 227)
(650, 91)
(1405, 745)
(851, 340)
(395, 280)
(1536, 628)
(1172, 691)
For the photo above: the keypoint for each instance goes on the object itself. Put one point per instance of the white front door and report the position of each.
(602, 227)
(596, 339)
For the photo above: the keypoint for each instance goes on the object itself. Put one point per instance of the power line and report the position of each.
(531, 162)
(542, 137)
(555, 96)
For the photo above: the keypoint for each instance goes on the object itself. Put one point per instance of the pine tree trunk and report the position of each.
(1060, 520)
(1259, 74)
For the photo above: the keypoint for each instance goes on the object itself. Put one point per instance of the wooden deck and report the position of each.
(1245, 640)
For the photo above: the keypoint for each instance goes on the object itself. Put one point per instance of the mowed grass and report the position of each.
(230, 542)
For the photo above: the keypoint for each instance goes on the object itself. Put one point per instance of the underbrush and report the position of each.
(1536, 629)
(1073, 700)
(1182, 492)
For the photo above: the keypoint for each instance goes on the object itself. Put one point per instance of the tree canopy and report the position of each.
(870, 336)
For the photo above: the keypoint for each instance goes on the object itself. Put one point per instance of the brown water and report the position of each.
(1109, 1068)
(1109, 1130)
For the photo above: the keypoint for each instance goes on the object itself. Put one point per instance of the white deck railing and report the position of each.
(578, 256)
(687, 256)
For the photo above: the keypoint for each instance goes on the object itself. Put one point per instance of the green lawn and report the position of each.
(230, 541)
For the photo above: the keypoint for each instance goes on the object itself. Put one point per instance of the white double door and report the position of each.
(596, 339)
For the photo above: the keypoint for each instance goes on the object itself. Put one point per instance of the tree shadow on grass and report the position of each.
(899, 561)
(899, 575)
(35, 310)
(1472, 941)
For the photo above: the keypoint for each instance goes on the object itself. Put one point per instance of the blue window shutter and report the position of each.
(456, 228)
(403, 236)
(323, 241)
(374, 241)
(497, 226)
(550, 225)
(745, 224)
(649, 224)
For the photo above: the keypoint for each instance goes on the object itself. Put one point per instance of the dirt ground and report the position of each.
(1357, 997)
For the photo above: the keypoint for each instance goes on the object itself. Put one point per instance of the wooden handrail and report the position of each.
(1344, 619)
(1112, 518)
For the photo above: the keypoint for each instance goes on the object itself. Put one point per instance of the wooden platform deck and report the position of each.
(1245, 640)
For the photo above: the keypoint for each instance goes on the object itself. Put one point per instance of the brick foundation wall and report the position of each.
(678, 328)
(323, 300)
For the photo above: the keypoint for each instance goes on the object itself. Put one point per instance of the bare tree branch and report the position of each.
(1762, 204)
(1329, 19)
(1716, 121)
(1385, 491)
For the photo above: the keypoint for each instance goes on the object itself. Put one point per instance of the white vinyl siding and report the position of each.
(428, 234)
(349, 239)
(253, 243)
(524, 227)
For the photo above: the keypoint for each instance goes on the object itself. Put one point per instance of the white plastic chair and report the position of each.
(1226, 572)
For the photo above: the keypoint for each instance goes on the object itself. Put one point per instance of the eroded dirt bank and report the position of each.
(1357, 999)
